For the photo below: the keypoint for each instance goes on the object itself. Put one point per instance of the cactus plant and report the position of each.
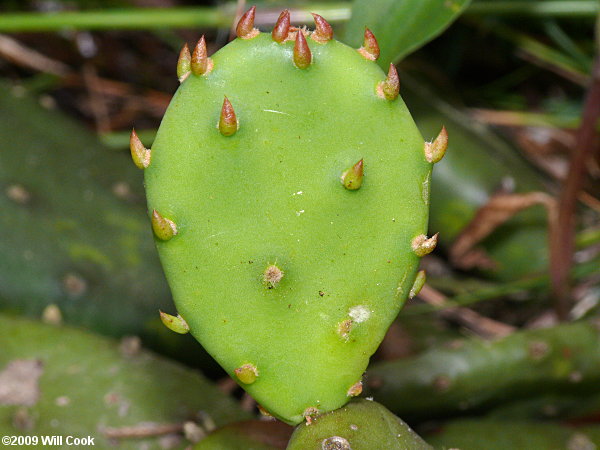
(58, 252)
(553, 405)
(360, 425)
(478, 161)
(58, 380)
(476, 434)
(471, 375)
(248, 435)
(288, 189)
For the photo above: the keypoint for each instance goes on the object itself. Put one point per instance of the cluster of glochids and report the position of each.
(198, 63)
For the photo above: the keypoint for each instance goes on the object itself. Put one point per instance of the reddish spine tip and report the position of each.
(228, 123)
(184, 63)
(390, 88)
(323, 31)
(282, 27)
(245, 27)
(370, 47)
(200, 60)
(302, 54)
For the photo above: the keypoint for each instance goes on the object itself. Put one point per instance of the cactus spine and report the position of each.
(269, 257)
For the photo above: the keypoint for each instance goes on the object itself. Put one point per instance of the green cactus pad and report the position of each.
(248, 435)
(276, 263)
(477, 434)
(473, 375)
(58, 380)
(73, 218)
(360, 425)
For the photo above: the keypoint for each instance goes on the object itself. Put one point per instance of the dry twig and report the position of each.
(143, 430)
(480, 325)
(23, 56)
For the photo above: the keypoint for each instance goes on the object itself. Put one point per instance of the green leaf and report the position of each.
(401, 26)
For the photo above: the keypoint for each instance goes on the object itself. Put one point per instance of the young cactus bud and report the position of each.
(302, 53)
(164, 229)
(174, 323)
(201, 64)
(353, 177)
(435, 151)
(282, 27)
(370, 47)
(184, 64)
(228, 123)
(245, 27)
(323, 33)
(140, 154)
(390, 88)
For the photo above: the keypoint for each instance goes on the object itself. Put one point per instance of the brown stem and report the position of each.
(562, 244)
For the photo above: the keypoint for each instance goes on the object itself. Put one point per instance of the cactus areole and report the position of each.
(286, 186)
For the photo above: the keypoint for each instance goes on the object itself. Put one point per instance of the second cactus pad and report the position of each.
(289, 189)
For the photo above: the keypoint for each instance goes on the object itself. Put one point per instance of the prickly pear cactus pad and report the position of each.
(288, 189)
(360, 425)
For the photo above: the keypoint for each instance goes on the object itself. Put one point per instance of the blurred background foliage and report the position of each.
(502, 345)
